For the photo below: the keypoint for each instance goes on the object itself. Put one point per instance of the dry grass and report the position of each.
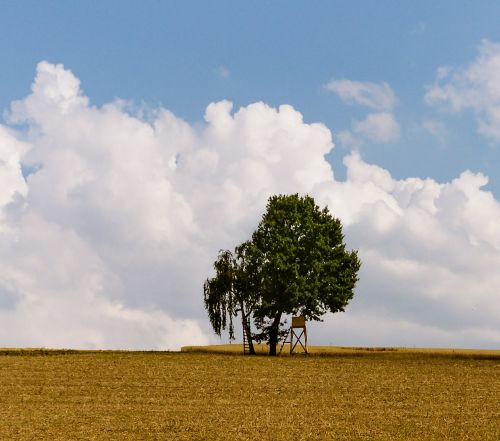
(338, 351)
(196, 396)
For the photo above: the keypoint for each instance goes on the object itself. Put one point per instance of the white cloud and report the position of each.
(11, 178)
(378, 127)
(108, 243)
(429, 252)
(475, 87)
(376, 96)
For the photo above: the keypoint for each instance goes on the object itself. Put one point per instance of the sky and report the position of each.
(139, 138)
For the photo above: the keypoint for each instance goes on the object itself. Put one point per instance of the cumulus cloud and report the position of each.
(429, 253)
(475, 87)
(119, 225)
(107, 241)
(11, 178)
(376, 96)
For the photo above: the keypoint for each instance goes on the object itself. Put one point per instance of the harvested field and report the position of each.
(338, 351)
(381, 395)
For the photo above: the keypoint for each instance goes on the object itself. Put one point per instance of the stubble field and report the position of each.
(361, 395)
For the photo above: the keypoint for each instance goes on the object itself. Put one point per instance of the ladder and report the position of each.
(246, 346)
(284, 342)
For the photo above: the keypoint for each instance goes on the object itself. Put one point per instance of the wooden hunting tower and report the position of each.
(299, 332)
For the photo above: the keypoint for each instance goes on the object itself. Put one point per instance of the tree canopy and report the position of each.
(296, 262)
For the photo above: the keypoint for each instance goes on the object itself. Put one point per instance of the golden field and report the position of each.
(338, 351)
(347, 394)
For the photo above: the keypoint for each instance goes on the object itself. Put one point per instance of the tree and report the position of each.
(233, 290)
(295, 263)
(304, 265)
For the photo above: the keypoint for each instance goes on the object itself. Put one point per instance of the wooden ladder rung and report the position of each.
(246, 345)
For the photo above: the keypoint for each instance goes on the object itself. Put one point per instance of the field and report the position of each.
(348, 394)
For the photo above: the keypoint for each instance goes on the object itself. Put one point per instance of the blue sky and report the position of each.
(171, 54)
(124, 168)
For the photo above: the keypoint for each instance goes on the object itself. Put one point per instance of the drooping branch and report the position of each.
(219, 294)
(229, 293)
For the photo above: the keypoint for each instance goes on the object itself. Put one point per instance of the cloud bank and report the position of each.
(110, 219)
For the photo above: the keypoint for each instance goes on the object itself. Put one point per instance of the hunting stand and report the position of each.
(298, 323)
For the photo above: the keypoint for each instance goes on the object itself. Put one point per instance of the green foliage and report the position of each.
(295, 263)
(234, 289)
(306, 269)
(219, 294)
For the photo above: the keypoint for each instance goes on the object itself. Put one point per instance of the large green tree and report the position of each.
(295, 263)
(305, 267)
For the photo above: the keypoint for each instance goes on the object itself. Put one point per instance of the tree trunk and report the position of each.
(246, 329)
(273, 334)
